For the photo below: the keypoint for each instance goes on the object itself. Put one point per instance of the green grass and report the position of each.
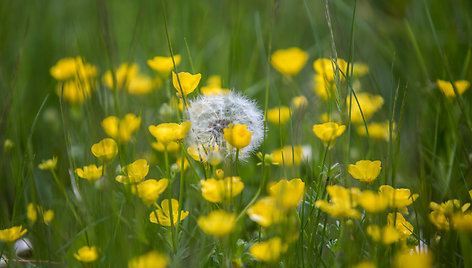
(408, 45)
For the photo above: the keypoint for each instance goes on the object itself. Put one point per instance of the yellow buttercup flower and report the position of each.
(365, 170)
(328, 132)
(208, 90)
(149, 190)
(447, 89)
(217, 191)
(372, 202)
(387, 234)
(69, 68)
(12, 234)
(134, 172)
(141, 85)
(365, 264)
(105, 150)
(378, 131)
(470, 194)
(289, 61)
(278, 115)
(343, 202)
(90, 173)
(121, 130)
(265, 211)
(33, 210)
(413, 259)
(152, 259)
(49, 164)
(74, 91)
(238, 136)
(287, 193)
(443, 213)
(398, 198)
(163, 213)
(403, 226)
(188, 81)
(268, 251)
(218, 223)
(178, 163)
(123, 75)
(359, 69)
(287, 156)
(170, 132)
(299, 102)
(322, 87)
(161, 147)
(164, 65)
(87, 254)
(463, 222)
(369, 104)
(328, 69)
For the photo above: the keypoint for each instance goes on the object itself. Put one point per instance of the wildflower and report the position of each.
(287, 193)
(218, 223)
(369, 104)
(365, 264)
(329, 69)
(287, 156)
(268, 251)
(164, 65)
(204, 154)
(210, 115)
(328, 132)
(372, 202)
(189, 82)
(217, 191)
(378, 131)
(470, 194)
(238, 136)
(87, 254)
(141, 85)
(463, 222)
(90, 173)
(398, 198)
(33, 210)
(403, 226)
(178, 163)
(161, 147)
(152, 259)
(289, 61)
(74, 91)
(68, 68)
(279, 115)
(49, 164)
(170, 132)
(134, 172)
(164, 213)
(12, 234)
(447, 89)
(149, 190)
(121, 129)
(359, 69)
(299, 102)
(265, 212)
(105, 150)
(323, 88)
(387, 234)
(413, 259)
(123, 75)
(343, 202)
(213, 86)
(444, 212)
(365, 170)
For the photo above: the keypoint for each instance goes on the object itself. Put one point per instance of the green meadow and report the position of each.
(302, 133)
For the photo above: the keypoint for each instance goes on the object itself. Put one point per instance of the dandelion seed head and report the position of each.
(211, 114)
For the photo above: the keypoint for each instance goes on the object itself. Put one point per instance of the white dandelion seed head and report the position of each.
(211, 114)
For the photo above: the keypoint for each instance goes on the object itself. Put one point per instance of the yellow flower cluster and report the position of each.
(121, 129)
(76, 79)
(34, 210)
(129, 78)
(213, 86)
(169, 134)
(451, 214)
(167, 213)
